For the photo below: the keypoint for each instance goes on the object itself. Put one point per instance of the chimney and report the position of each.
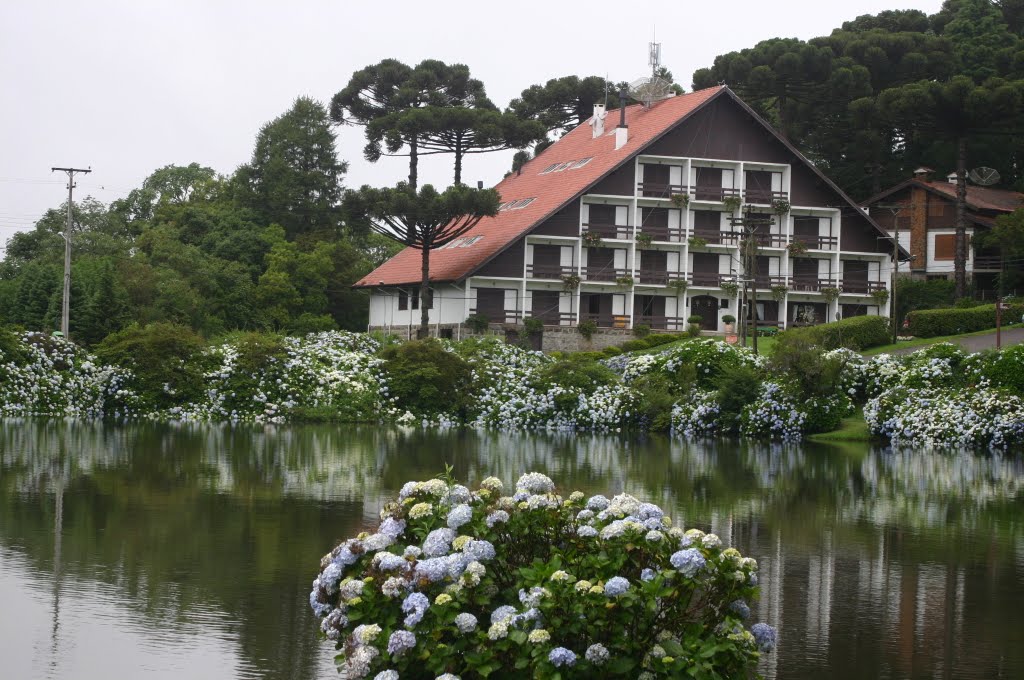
(479, 184)
(951, 177)
(597, 122)
(924, 174)
(622, 131)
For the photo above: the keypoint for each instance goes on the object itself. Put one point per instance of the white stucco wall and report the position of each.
(449, 307)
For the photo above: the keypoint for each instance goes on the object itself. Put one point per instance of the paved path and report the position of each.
(977, 343)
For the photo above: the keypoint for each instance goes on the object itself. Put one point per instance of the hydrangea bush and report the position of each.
(455, 583)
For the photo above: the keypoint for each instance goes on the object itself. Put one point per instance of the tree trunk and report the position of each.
(414, 161)
(424, 330)
(960, 256)
(458, 160)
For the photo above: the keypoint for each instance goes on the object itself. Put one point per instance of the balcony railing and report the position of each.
(709, 278)
(606, 320)
(711, 193)
(717, 236)
(765, 196)
(659, 189)
(859, 287)
(548, 271)
(603, 273)
(556, 318)
(770, 240)
(991, 262)
(660, 323)
(656, 277)
(817, 242)
(810, 284)
(508, 316)
(765, 282)
(608, 229)
(660, 233)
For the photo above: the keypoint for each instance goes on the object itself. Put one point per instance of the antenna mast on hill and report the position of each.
(654, 55)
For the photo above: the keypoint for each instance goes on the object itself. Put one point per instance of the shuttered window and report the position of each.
(945, 246)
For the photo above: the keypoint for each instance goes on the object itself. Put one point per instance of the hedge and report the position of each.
(930, 323)
(859, 332)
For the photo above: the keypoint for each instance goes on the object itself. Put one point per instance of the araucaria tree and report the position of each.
(425, 220)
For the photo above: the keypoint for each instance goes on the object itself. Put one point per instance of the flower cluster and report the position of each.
(455, 583)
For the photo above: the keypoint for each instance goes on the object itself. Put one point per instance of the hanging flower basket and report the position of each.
(680, 200)
(732, 203)
(697, 242)
(780, 207)
(591, 239)
(644, 240)
(679, 285)
(779, 293)
(570, 282)
(797, 248)
(830, 293)
(730, 288)
(881, 297)
(626, 281)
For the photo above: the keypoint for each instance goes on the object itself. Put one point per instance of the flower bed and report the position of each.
(456, 583)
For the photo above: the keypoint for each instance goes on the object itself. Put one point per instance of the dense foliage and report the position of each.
(456, 583)
(932, 323)
(859, 332)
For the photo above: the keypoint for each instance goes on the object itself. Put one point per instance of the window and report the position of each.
(936, 208)
(522, 203)
(403, 301)
(405, 297)
(470, 241)
(580, 163)
(549, 169)
(945, 246)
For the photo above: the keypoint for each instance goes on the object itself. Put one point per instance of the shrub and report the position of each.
(478, 323)
(426, 379)
(633, 345)
(728, 318)
(932, 323)
(580, 371)
(738, 386)
(163, 359)
(860, 332)
(611, 351)
(1006, 368)
(11, 348)
(912, 294)
(312, 323)
(814, 374)
(641, 330)
(656, 400)
(587, 329)
(535, 585)
(693, 330)
(533, 325)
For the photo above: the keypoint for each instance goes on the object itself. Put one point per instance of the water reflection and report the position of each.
(194, 544)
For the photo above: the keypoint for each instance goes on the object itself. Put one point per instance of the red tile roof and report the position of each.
(981, 198)
(551, 191)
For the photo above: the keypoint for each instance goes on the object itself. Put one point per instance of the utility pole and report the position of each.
(895, 210)
(65, 310)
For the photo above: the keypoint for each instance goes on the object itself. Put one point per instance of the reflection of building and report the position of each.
(924, 211)
(643, 224)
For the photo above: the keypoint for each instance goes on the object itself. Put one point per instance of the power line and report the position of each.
(66, 305)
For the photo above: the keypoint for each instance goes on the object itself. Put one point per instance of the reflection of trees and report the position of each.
(182, 516)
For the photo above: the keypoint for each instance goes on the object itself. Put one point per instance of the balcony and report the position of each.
(810, 284)
(817, 242)
(555, 318)
(988, 263)
(764, 282)
(717, 236)
(552, 272)
(654, 277)
(508, 316)
(659, 189)
(861, 287)
(712, 193)
(607, 230)
(660, 323)
(604, 273)
(770, 240)
(709, 279)
(764, 196)
(662, 233)
(606, 320)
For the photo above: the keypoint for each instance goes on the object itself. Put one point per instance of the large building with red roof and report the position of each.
(636, 218)
(921, 212)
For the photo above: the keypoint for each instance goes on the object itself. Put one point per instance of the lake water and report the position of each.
(186, 551)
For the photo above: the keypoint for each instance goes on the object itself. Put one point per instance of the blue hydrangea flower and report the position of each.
(415, 605)
(560, 656)
(586, 531)
(386, 561)
(434, 569)
(480, 551)
(465, 622)
(764, 635)
(616, 586)
(438, 542)
(597, 654)
(598, 503)
(386, 675)
(459, 515)
(741, 609)
(502, 613)
(392, 527)
(401, 641)
(649, 511)
(647, 575)
(497, 517)
(330, 577)
(688, 562)
(535, 483)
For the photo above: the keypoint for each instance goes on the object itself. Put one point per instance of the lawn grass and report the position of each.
(852, 429)
(924, 342)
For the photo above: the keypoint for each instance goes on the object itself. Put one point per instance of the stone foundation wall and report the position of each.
(554, 338)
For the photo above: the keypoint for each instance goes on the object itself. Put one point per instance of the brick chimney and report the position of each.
(924, 174)
(597, 122)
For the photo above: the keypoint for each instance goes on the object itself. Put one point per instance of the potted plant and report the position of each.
(881, 296)
(591, 239)
(694, 321)
(780, 206)
(570, 282)
(626, 281)
(730, 288)
(697, 242)
(680, 200)
(729, 320)
(830, 293)
(732, 203)
(797, 248)
(779, 292)
(644, 240)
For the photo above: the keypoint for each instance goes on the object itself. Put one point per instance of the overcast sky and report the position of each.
(129, 86)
